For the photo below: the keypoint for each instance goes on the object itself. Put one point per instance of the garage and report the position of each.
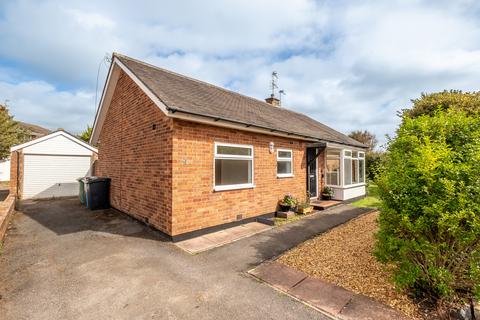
(48, 167)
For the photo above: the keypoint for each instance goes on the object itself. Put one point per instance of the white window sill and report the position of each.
(234, 187)
(347, 186)
(286, 175)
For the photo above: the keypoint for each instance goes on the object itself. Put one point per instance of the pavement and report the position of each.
(62, 261)
(219, 238)
(328, 298)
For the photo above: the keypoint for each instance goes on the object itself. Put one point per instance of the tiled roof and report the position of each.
(184, 94)
(37, 131)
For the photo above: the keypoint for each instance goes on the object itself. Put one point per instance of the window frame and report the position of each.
(347, 153)
(284, 159)
(360, 156)
(216, 156)
(334, 157)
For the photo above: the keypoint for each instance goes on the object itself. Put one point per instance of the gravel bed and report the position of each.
(343, 256)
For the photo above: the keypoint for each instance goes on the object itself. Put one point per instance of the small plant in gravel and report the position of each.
(430, 218)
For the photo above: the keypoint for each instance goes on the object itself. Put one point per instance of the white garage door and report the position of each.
(47, 176)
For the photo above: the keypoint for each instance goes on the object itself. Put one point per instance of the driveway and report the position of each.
(61, 261)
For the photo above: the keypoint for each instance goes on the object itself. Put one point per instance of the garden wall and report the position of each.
(6, 212)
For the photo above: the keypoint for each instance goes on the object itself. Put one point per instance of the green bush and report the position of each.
(373, 161)
(430, 218)
(456, 100)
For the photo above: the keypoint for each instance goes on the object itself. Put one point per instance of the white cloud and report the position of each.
(91, 21)
(40, 103)
(351, 65)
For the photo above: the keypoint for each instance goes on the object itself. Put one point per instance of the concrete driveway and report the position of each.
(61, 261)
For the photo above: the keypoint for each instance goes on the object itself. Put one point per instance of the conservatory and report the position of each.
(345, 172)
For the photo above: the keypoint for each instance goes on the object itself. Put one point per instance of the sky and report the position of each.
(349, 64)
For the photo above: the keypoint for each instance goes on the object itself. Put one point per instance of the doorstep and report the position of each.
(219, 238)
(325, 204)
(332, 300)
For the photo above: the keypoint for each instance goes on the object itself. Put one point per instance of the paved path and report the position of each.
(61, 261)
(331, 299)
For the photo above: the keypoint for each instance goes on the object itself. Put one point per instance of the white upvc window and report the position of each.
(284, 163)
(354, 167)
(361, 167)
(333, 167)
(344, 167)
(233, 166)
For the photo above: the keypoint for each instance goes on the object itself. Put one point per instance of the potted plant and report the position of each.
(304, 207)
(286, 203)
(327, 193)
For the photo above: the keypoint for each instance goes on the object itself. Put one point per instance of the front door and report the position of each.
(312, 172)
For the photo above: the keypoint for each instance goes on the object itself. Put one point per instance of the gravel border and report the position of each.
(343, 256)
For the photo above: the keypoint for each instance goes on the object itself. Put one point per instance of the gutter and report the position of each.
(248, 125)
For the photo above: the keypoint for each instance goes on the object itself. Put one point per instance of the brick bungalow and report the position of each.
(185, 155)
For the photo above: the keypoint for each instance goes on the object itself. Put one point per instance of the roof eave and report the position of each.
(52, 135)
(244, 126)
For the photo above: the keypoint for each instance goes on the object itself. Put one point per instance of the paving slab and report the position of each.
(239, 231)
(220, 237)
(257, 226)
(332, 300)
(364, 308)
(323, 295)
(278, 275)
(195, 244)
(215, 239)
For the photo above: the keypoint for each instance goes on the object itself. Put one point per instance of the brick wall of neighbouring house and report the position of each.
(197, 206)
(16, 174)
(137, 156)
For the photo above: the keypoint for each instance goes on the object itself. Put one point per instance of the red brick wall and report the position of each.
(165, 175)
(16, 183)
(136, 156)
(196, 205)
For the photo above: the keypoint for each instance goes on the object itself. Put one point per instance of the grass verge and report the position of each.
(372, 200)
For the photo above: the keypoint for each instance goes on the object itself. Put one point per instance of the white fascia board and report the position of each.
(52, 135)
(108, 94)
(344, 146)
(142, 86)
(231, 125)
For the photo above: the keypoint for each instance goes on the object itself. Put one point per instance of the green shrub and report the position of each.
(373, 161)
(429, 103)
(430, 218)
